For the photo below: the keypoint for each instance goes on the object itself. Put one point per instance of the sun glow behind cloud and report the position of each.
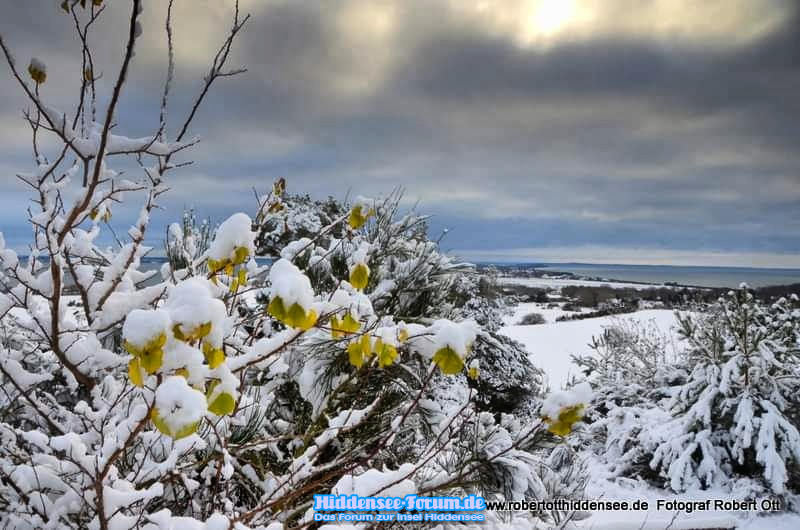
(366, 25)
(528, 22)
(549, 16)
(544, 23)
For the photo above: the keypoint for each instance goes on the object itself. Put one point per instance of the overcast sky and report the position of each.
(630, 131)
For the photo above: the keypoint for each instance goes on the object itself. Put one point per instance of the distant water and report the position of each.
(149, 263)
(658, 274)
(700, 276)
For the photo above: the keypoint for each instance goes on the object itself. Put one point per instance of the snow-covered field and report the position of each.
(654, 519)
(557, 283)
(550, 314)
(551, 345)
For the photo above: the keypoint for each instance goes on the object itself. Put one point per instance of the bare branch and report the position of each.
(162, 126)
(216, 69)
(112, 105)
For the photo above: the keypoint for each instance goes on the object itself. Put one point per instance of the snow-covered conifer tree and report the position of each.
(735, 414)
(723, 413)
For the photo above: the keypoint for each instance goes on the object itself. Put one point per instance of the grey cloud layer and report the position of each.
(606, 137)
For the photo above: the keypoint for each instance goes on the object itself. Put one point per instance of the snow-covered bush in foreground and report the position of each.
(226, 393)
(723, 415)
(408, 276)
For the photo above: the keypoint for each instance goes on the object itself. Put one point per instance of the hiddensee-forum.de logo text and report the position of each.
(425, 508)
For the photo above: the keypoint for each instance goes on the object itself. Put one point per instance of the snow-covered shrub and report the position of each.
(633, 360)
(294, 218)
(408, 276)
(629, 371)
(532, 319)
(735, 414)
(224, 392)
(187, 241)
(724, 413)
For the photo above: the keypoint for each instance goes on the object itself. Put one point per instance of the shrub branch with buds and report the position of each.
(224, 391)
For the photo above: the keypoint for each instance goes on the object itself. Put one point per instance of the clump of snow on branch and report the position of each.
(578, 395)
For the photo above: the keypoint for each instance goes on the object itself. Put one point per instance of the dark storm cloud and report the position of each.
(616, 137)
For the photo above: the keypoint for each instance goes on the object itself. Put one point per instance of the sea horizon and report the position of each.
(691, 275)
(695, 275)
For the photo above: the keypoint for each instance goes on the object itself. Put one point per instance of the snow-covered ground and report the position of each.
(550, 314)
(557, 283)
(654, 519)
(551, 345)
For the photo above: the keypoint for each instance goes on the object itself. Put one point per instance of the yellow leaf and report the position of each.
(164, 428)
(386, 353)
(567, 417)
(366, 345)
(359, 276)
(155, 343)
(214, 356)
(195, 334)
(358, 217)
(223, 404)
(356, 354)
(336, 327)
(295, 317)
(276, 308)
(202, 330)
(135, 373)
(240, 255)
(346, 326)
(402, 335)
(132, 348)
(158, 342)
(177, 333)
(152, 360)
(299, 318)
(350, 324)
(448, 360)
(215, 265)
(309, 321)
(186, 431)
(242, 277)
(473, 373)
(38, 75)
(234, 285)
(359, 350)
